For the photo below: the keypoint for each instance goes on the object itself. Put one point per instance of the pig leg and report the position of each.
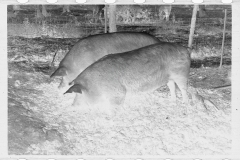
(182, 85)
(81, 104)
(115, 104)
(117, 101)
(98, 102)
(91, 100)
(116, 98)
(77, 100)
(172, 88)
(63, 85)
(86, 102)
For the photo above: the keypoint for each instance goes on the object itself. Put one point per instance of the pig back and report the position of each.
(90, 49)
(139, 70)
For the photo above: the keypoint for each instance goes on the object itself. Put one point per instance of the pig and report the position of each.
(90, 49)
(146, 69)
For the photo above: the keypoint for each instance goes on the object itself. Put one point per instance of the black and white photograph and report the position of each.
(119, 79)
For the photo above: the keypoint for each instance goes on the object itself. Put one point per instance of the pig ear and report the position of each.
(75, 88)
(59, 72)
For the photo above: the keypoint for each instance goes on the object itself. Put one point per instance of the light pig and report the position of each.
(146, 69)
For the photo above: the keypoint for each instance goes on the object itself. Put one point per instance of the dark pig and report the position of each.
(141, 70)
(92, 48)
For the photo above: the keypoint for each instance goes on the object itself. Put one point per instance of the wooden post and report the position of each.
(224, 28)
(39, 14)
(105, 18)
(193, 23)
(44, 11)
(112, 18)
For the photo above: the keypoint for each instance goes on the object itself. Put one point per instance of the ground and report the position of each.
(41, 120)
(149, 124)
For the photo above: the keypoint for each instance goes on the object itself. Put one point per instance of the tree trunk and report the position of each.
(38, 14)
(112, 18)
(224, 30)
(193, 23)
(105, 18)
